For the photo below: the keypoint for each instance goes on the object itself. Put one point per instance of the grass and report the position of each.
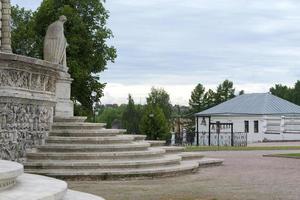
(288, 155)
(229, 148)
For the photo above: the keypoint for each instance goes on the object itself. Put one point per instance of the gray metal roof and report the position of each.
(253, 104)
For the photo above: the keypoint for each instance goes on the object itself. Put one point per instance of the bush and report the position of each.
(154, 124)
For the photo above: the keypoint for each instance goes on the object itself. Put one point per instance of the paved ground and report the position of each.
(244, 175)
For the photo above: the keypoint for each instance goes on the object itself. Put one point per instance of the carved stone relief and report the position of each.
(27, 80)
(22, 126)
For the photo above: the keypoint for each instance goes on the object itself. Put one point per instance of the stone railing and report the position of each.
(27, 101)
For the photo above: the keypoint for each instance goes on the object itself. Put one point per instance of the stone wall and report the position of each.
(27, 101)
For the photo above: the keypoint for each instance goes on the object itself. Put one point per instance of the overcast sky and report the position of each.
(176, 44)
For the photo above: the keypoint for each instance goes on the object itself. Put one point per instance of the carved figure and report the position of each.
(55, 43)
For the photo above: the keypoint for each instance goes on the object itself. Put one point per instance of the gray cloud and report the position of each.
(172, 42)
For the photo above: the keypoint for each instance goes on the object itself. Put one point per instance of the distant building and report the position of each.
(263, 116)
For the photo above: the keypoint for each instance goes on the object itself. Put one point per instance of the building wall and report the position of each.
(270, 127)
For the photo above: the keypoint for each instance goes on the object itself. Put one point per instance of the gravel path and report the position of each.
(244, 175)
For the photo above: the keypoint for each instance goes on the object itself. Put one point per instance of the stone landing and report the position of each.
(14, 185)
(76, 150)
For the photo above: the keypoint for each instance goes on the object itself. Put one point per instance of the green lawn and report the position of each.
(288, 155)
(228, 148)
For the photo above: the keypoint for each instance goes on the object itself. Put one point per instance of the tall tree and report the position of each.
(154, 124)
(159, 97)
(87, 35)
(23, 34)
(209, 99)
(130, 117)
(225, 91)
(196, 101)
(296, 92)
(283, 92)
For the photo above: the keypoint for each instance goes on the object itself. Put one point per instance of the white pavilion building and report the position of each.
(263, 116)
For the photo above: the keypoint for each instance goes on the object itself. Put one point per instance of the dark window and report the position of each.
(256, 126)
(246, 126)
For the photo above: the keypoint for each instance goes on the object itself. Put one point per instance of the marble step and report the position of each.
(209, 162)
(164, 171)
(103, 164)
(191, 155)
(89, 140)
(69, 119)
(34, 187)
(172, 149)
(149, 153)
(74, 195)
(9, 171)
(86, 133)
(134, 146)
(156, 143)
(139, 137)
(77, 125)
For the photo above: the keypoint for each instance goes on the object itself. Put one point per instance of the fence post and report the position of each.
(232, 135)
(209, 123)
(197, 125)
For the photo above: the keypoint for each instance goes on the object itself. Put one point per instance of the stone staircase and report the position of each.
(14, 185)
(76, 150)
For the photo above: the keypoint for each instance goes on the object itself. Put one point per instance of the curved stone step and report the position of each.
(69, 119)
(172, 149)
(149, 153)
(135, 146)
(74, 195)
(86, 133)
(139, 137)
(9, 171)
(208, 162)
(34, 187)
(191, 155)
(103, 164)
(89, 140)
(77, 125)
(183, 168)
(156, 143)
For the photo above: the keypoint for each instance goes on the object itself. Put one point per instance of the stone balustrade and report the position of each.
(27, 101)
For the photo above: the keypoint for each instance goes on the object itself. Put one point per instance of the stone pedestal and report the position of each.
(64, 107)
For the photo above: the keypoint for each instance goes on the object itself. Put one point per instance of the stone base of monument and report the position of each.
(76, 150)
(14, 185)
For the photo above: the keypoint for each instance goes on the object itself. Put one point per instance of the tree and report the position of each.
(131, 117)
(296, 92)
(196, 101)
(154, 124)
(225, 91)
(87, 34)
(160, 98)
(23, 35)
(241, 92)
(209, 99)
(283, 92)
(110, 114)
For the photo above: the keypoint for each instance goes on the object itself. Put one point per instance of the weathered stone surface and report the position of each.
(14, 185)
(9, 172)
(77, 151)
(27, 100)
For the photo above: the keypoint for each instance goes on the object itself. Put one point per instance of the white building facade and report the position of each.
(255, 117)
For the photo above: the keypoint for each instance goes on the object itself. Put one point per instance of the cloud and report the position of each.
(177, 44)
(32, 4)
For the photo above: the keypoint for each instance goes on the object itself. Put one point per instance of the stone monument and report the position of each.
(27, 95)
(55, 46)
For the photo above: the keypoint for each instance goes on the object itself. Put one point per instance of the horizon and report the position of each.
(171, 47)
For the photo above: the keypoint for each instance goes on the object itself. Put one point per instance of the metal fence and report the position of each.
(223, 139)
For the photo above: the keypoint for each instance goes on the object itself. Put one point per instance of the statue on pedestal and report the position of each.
(55, 43)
